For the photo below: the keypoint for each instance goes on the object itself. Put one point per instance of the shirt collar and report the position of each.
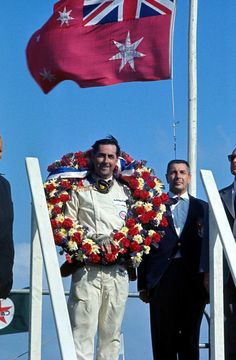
(184, 196)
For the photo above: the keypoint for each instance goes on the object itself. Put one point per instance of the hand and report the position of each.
(144, 296)
(206, 281)
(104, 242)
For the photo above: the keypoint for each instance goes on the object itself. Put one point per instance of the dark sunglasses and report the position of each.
(231, 157)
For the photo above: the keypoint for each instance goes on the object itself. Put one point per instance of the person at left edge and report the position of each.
(98, 293)
(6, 236)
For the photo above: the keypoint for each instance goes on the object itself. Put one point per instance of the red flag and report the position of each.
(103, 42)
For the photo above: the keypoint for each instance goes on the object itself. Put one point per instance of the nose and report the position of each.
(105, 158)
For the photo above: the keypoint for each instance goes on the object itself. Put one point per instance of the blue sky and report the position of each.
(138, 114)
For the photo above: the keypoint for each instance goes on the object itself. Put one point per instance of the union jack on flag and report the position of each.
(107, 11)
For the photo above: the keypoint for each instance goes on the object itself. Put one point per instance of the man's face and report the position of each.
(105, 160)
(0, 147)
(178, 178)
(233, 163)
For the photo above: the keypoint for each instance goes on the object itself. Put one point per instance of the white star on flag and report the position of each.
(65, 16)
(127, 52)
(47, 75)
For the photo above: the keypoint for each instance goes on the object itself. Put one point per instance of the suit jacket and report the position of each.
(226, 197)
(193, 244)
(6, 238)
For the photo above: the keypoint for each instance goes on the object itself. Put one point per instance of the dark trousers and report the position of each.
(230, 319)
(176, 309)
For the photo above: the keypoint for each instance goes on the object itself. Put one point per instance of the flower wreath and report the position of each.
(146, 210)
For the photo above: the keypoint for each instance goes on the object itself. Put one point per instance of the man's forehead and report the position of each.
(107, 149)
(178, 166)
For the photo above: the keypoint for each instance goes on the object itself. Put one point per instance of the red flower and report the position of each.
(50, 187)
(57, 238)
(132, 181)
(54, 223)
(164, 197)
(87, 248)
(125, 242)
(133, 231)
(68, 258)
(156, 237)
(76, 237)
(130, 223)
(140, 210)
(144, 218)
(95, 258)
(151, 214)
(67, 223)
(142, 194)
(164, 222)
(147, 241)
(64, 197)
(66, 184)
(134, 246)
(118, 236)
(54, 200)
(110, 257)
(145, 175)
(157, 200)
(56, 210)
(151, 183)
(66, 160)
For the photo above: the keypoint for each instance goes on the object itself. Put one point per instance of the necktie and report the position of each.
(103, 186)
(173, 200)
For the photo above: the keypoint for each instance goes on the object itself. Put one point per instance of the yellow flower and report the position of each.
(141, 183)
(138, 239)
(136, 260)
(124, 230)
(162, 208)
(72, 246)
(139, 227)
(60, 218)
(146, 249)
(138, 204)
(62, 232)
(148, 206)
(151, 232)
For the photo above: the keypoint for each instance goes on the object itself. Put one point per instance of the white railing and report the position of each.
(43, 248)
(221, 238)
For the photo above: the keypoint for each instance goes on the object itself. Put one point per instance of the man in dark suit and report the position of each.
(6, 238)
(171, 278)
(229, 201)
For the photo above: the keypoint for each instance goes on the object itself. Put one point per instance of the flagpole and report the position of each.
(192, 97)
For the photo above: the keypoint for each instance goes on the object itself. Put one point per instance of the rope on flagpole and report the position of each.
(175, 123)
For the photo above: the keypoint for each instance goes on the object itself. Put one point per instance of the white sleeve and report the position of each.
(72, 206)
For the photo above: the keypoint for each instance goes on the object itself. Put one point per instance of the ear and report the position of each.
(189, 179)
(167, 179)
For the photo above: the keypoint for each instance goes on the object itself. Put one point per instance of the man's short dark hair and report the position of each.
(177, 161)
(109, 140)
